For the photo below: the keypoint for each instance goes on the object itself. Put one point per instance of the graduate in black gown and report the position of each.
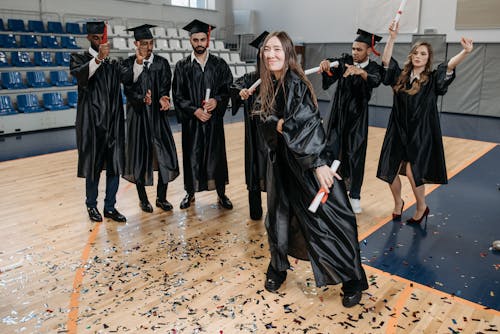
(150, 145)
(100, 127)
(347, 127)
(203, 143)
(297, 168)
(255, 148)
(413, 145)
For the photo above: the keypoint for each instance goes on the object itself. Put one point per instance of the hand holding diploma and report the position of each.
(325, 177)
(399, 12)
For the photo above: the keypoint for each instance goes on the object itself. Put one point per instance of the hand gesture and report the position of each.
(165, 103)
(139, 58)
(325, 177)
(279, 126)
(210, 105)
(352, 70)
(103, 51)
(202, 115)
(324, 66)
(147, 98)
(394, 29)
(245, 93)
(467, 44)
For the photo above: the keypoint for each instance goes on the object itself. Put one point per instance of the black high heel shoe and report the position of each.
(418, 221)
(396, 216)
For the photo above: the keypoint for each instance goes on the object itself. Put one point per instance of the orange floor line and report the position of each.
(401, 302)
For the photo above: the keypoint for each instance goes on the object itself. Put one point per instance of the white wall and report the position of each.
(327, 21)
(120, 10)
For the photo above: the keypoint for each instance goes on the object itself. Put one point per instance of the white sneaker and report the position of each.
(356, 205)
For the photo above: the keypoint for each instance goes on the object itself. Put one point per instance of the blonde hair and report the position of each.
(408, 67)
(268, 90)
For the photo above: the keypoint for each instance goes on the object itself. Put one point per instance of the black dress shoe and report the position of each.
(225, 202)
(115, 215)
(274, 279)
(350, 300)
(164, 205)
(186, 201)
(94, 214)
(146, 206)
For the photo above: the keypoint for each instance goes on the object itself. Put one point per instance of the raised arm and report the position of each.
(393, 33)
(467, 45)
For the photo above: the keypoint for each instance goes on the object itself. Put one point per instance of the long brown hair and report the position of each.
(268, 91)
(408, 67)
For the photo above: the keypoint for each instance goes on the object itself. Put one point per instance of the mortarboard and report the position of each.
(95, 27)
(142, 31)
(198, 26)
(368, 38)
(257, 42)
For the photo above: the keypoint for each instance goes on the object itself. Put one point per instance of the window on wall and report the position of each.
(203, 4)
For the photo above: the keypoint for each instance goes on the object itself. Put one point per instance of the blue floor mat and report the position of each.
(452, 253)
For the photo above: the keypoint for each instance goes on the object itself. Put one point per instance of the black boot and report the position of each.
(255, 203)
(274, 279)
(186, 201)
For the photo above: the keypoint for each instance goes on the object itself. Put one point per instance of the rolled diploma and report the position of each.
(307, 72)
(400, 11)
(318, 199)
(207, 96)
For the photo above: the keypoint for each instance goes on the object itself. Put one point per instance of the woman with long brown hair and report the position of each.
(413, 145)
(297, 168)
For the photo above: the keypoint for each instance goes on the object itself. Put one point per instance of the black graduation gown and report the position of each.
(413, 133)
(100, 129)
(255, 148)
(149, 144)
(203, 144)
(328, 238)
(347, 125)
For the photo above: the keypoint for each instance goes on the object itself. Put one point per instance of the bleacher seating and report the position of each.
(69, 42)
(175, 44)
(73, 28)
(159, 32)
(241, 70)
(186, 44)
(219, 45)
(120, 30)
(166, 56)
(235, 58)
(172, 33)
(36, 79)
(55, 27)
(3, 60)
(131, 44)
(12, 80)
(50, 42)
(27, 103)
(84, 29)
(183, 33)
(54, 101)
(36, 26)
(63, 58)
(60, 78)
(233, 71)
(8, 41)
(16, 25)
(21, 58)
(29, 41)
(176, 56)
(251, 68)
(120, 43)
(162, 44)
(6, 107)
(225, 56)
(72, 99)
(2, 28)
(43, 58)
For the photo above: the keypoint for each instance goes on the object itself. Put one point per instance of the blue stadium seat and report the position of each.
(28, 103)
(36, 79)
(29, 41)
(69, 42)
(3, 60)
(6, 107)
(60, 78)
(55, 27)
(8, 41)
(50, 42)
(35, 26)
(73, 28)
(63, 58)
(84, 29)
(2, 27)
(54, 101)
(16, 25)
(43, 58)
(12, 80)
(21, 58)
(73, 99)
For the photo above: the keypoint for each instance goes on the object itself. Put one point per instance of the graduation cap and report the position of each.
(257, 42)
(142, 31)
(95, 27)
(198, 26)
(368, 38)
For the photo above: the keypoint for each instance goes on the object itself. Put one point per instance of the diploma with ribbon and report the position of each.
(307, 72)
(207, 96)
(322, 195)
(399, 12)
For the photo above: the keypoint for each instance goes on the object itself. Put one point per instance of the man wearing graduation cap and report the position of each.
(150, 144)
(100, 129)
(347, 126)
(202, 117)
(255, 147)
